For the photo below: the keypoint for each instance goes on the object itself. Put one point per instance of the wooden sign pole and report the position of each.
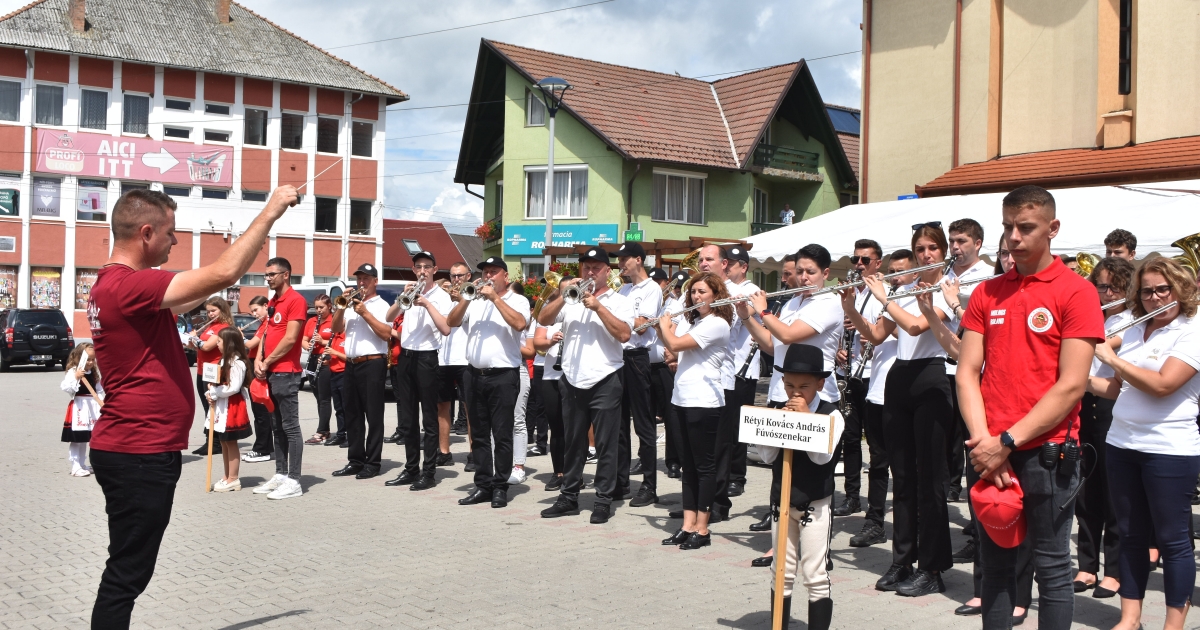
(212, 428)
(781, 541)
(93, 391)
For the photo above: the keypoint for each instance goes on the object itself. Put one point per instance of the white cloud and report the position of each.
(453, 207)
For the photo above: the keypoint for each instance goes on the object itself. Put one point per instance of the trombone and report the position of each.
(342, 301)
(470, 291)
(409, 296)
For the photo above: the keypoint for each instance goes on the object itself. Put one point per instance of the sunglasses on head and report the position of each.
(932, 224)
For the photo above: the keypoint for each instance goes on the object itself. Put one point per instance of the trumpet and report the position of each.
(470, 291)
(575, 293)
(409, 296)
(1144, 318)
(342, 301)
(938, 287)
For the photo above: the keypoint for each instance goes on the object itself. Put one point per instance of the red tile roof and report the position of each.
(850, 146)
(749, 100)
(432, 237)
(1177, 158)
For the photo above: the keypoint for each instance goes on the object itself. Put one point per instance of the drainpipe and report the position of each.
(866, 98)
(957, 79)
(470, 192)
(629, 202)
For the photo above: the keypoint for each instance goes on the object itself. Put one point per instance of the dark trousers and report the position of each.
(599, 407)
(664, 384)
(1093, 508)
(535, 411)
(636, 412)
(877, 471)
(201, 388)
(552, 401)
(289, 441)
(1048, 516)
(745, 389)
(1152, 493)
(492, 396)
(415, 382)
(916, 423)
(956, 448)
(138, 493)
(856, 421)
(699, 428)
(329, 389)
(264, 441)
(362, 394)
(1024, 569)
(727, 438)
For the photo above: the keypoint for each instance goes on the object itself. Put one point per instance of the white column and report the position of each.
(308, 259)
(26, 189)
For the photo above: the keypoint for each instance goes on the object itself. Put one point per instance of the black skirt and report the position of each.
(76, 437)
(232, 436)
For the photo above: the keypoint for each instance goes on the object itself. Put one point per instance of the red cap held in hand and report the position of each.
(260, 392)
(1000, 511)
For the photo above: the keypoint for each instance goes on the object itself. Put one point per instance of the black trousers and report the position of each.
(553, 403)
(663, 384)
(877, 471)
(201, 389)
(362, 394)
(635, 408)
(492, 396)
(598, 407)
(139, 491)
(415, 382)
(851, 446)
(1094, 508)
(917, 423)
(264, 440)
(727, 438)
(956, 449)
(745, 389)
(699, 438)
(535, 411)
(329, 393)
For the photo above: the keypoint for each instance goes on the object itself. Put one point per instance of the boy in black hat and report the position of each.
(810, 516)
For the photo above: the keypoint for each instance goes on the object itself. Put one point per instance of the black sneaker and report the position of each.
(470, 467)
(203, 450)
(871, 534)
(601, 513)
(562, 507)
(848, 507)
(645, 496)
(591, 458)
(966, 554)
(460, 428)
(896, 574)
(921, 582)
(444, 459)
(555, 483)
(636, 468)
(535, 451)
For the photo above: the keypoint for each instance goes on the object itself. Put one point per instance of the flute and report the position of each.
(652, 322)
(1144, 318)
(1113, 304)
(939, 287)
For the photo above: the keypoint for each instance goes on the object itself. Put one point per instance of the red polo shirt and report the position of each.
(289, 307)
(1023, 320)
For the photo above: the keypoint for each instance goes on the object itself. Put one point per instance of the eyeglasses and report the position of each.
(866, 260)
(1005, 253)
(1107, 288)
(270, 275)
(460, 275)
(423, 267)
(1162, 291)
(932, 224)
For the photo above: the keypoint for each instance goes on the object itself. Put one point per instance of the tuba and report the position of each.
(690, 264)
(1190, 259)
(1087, 262)
(552, 279)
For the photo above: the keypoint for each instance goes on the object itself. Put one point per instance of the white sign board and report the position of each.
(811, 432)
(212, 373)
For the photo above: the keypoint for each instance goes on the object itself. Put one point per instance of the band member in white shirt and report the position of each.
(367, 330)
(665, 380)
(646, 297)
(594, 330)
(495, 323)
(547, 339)
(739, 342)
(452, 363)
(415, 380)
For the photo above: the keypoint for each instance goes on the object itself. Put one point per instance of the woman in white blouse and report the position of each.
(701, 342)
(1153, 446)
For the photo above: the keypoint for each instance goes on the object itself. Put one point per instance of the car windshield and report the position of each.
(34, 318)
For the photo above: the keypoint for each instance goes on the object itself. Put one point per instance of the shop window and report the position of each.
(45, 287)
(92, 200)
(8, 284)
(84, 279)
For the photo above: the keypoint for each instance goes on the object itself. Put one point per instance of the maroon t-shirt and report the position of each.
(289, 307)
(149, 402)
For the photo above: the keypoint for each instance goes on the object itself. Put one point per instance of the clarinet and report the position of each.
(754, 345)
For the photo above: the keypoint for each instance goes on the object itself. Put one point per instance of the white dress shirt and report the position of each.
(739, 335)
(924, 345)
(491, 342)
(590, 353)
(1098, 368)
(646, 299)
(862, 303)
(454, 348)
(698, 377)
(669, 305)
(979, 270)
(1164, 425)
(361, 341)
(823, 314)
(418, 331)
(551, 358)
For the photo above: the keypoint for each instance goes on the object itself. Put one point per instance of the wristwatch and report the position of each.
(765, 312)
(1008, 441)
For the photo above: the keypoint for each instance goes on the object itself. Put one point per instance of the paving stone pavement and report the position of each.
(353, 553)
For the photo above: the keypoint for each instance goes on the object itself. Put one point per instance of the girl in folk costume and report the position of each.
(84, 409)
(219, 316)
(230, 401)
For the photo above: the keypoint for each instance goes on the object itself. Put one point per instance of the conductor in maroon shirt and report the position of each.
(149, 406)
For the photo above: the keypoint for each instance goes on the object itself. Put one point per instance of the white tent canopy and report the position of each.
(1158, 214)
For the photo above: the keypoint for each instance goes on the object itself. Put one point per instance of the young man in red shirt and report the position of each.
(1036, 328)
(150, 405)
(278, 363)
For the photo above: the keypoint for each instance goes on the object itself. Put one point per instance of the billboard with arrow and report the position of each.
(142, 159)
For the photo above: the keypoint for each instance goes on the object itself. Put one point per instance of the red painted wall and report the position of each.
(256, 169)
(48, 66)
(11, 227)
(181, 253)
(367, 109)
(328, 182)
(12, 62)
(181, 83)
(257, 92)
(218, 87)
(331, 102)
(136, 77)
(96, 72)
(327, 257)
(91, 245)
(47, 244)
(293, 97)
(12, 138)
(364, 183)
(293, 169)
(293, 250)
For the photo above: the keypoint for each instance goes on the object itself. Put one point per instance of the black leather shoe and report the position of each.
(645, 496)
(403, 479)
(601, 513)
(736, 489)
(921, 582)
(762, 561)
(896, 574)
(460, 428)
(203, 450)
(470, 467)
(952, 496)
(444, 459)
(677, 538)
(394, 438)
(1020, 619)
(636, 468)
(476, 496)
(424, 483)
(562, 507)
(718, 513)
(336, 440)
(499, 498)
(871, 534)
(966, 554)
(555, 483)
(1103, 593)
(348, 470)
(764, 525)
(675, 514)
(696, 541)
(968, 611)
(366, 474)
(674, 471)
(847, 507)
(1080, 586)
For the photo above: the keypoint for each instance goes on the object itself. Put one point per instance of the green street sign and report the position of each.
(632, 236)
(634, 226)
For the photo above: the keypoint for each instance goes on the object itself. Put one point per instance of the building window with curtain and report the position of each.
(678, 197)
(570, 192)
(93, 109)
(762, 212)
(536, 109)
(360, 217)
(291, 131)
(256, 127)
(327, 135)
(136, 118)
(49, 105)
(362, 135)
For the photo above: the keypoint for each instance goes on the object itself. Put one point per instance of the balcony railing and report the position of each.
(759, 228)
(783, 158)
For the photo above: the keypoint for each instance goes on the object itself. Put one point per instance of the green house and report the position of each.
(679, 157)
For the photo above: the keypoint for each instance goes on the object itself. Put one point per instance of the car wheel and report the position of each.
(4, 365)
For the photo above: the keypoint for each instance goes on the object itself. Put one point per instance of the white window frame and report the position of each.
(370, 143)
(558, 168)
(340, 122)
(149, 112)
(190, 104)
(227, 140)
(412, 246)
(499, 205)
(688, 175)
(62, 115)
(530, 99)
(175, 128)
(766, 205)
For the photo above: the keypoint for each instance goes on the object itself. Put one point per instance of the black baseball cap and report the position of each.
(630, 249)
(681, 276)
(596, 253)
(494, 261)
(739, 253)
(658, 275)
(803, 359)
(368, 269)
(424, 255)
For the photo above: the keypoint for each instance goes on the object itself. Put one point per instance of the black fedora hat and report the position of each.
(803, 359)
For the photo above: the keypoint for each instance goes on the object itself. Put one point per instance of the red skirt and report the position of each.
(237, 421)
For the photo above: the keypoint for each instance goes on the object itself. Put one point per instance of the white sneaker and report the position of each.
(517, 476)
(270, 485)
(289, 489)
(224, 486)
(255, 456)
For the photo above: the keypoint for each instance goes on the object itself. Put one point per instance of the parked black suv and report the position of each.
(35, 336)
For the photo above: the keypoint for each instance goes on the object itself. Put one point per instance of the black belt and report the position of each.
(633, 352)
(405, 352)
(490, 371)
(365, 357)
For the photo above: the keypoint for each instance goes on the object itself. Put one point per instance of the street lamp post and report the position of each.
(553, 89)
